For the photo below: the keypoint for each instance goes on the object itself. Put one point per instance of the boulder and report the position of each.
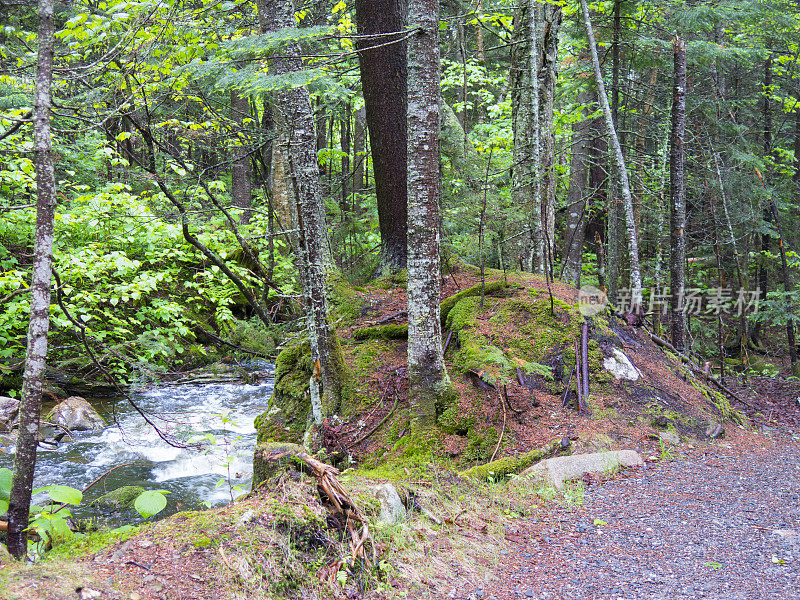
(119, 499)
(620, 366)
(669, 437)
(8, 412)
(76, 414)
(392, 508)
(557, 471)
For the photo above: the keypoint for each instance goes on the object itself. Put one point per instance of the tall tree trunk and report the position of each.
(344, 142)
(616, 214)
(383, 80)
(241, 171)
(359, 147)
(533, 25)
(295, 104)
(633, 245)
(677, 193)
(39, 324)
(787, 288)
(577, 215)
(550, 24)
(428, 380)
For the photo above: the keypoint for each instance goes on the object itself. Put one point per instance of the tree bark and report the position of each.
(39, 324)
(241, 171)
(548, 73)
(677, 193)
(575, 231)
(428, 379)
(316, 264)
(383, 80)
(633, 245)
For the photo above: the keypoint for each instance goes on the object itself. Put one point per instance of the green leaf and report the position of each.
(64, 494)
(150, 503)
(5, 482)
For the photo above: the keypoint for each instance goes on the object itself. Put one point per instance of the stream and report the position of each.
(215, 420)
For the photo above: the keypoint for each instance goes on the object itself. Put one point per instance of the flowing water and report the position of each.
(213, 422)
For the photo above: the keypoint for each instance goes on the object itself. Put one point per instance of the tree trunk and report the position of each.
(633, 245)
(383, 80)
(241, 171)
(316, 264)
(550, 24)
(577, 215)
(428, 380)
(677, 193)
(39, 324)
(344, 142)
(787, 288)
(359, 147)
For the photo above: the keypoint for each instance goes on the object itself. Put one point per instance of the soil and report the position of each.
(720, 523)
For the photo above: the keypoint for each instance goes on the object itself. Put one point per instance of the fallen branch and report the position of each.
(695, 368)
(378, 426)
(510, 465)
(503, 430)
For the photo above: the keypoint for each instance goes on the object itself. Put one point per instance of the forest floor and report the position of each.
(700, 520)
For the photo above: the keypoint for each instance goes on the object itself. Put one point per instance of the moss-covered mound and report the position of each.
(287, 418)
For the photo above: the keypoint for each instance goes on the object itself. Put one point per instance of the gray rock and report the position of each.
(620, 366)
(392, 508)
(557, 471)
(669, 437)
(76, 414)
(8, 412)
(715, 430)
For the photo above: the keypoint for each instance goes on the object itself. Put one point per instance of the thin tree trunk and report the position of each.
(295, 104)
(39, 324)
(550, 24)
(575, 230)
(787, 288)
(344, 141)
(677, 192)
(359, 146)
(382, 61)
(428, 380)
(241, 172)
(633, 246)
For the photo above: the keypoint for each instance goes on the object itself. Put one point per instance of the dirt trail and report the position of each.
(720, 525)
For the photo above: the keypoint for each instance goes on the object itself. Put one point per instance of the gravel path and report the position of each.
(716, 526)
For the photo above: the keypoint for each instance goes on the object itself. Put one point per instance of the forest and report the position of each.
(349, 189)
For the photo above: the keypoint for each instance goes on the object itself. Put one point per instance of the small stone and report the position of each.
(145, 543)
(392, 508)
(529, 594)
(669, 437)
(89, 594)
(135, 596)
(715, 430)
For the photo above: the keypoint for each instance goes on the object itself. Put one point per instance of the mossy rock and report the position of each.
(119, 499)
(272, 459)
(286, 418)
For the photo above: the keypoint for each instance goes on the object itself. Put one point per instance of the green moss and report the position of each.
(93, 542)
(383, 332)
(481, 445)
(510, 465)
(286, 418)
(273, 458)
(345, 303)
(449, 303)
(456, 420)
(119, 499)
